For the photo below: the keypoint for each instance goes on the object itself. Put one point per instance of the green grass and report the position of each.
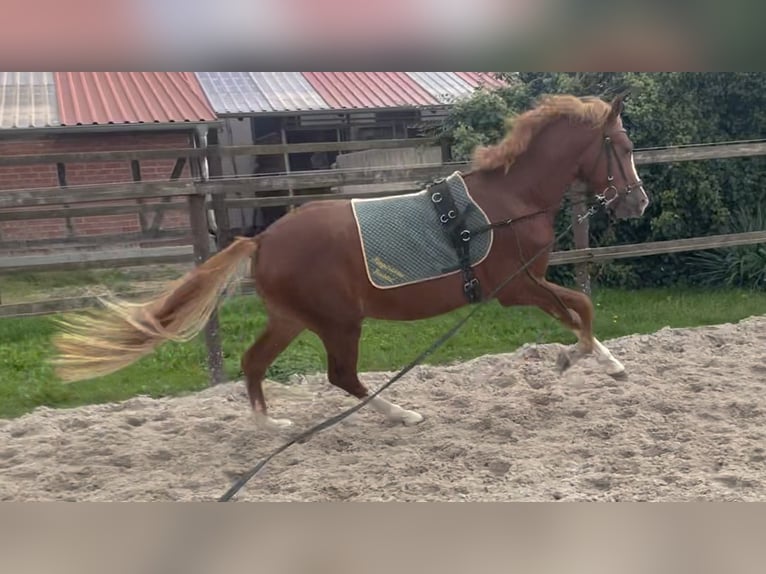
(27, 381)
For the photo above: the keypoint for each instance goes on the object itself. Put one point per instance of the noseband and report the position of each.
(611, 188)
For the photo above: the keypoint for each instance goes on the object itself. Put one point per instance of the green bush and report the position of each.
(742, 266)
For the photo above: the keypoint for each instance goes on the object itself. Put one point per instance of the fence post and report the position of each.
(290, 190)
(581, 230)
(201, 242)
(215, 171)
(446, 149)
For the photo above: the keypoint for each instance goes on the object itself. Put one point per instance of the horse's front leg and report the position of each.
(574, 310)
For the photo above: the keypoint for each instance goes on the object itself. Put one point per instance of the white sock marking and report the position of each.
(605, 357)
(266, 422)
(394, 412)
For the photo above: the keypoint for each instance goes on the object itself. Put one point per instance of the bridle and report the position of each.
(611, 154)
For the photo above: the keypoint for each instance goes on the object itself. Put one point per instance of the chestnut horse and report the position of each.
(309, 268)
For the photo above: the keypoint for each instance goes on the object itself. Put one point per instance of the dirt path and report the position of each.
(689, 424)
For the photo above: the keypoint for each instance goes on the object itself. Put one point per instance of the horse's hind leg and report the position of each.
(342, 346)
(279, 333)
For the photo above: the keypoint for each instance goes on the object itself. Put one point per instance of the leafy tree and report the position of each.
(478, 120)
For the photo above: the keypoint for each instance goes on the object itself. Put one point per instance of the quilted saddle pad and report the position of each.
(403, 241)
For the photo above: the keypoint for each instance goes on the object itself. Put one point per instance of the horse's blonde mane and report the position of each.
(521, 129)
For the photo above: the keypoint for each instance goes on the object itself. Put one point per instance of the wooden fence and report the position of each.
(218, 194)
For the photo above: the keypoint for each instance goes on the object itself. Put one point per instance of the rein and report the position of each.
(302, 437)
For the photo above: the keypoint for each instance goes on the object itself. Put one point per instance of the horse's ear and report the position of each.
(618, 103)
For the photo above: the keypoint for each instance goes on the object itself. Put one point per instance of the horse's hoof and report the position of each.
(281, 423)
(268, 423)
(619, 375)
(411, 418)
(563, 362)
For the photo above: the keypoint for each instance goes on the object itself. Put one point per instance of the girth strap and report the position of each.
(453, 224)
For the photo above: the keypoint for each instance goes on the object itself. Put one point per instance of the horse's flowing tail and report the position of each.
(103, 342)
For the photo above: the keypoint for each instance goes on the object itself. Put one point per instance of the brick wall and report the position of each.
(25, 233)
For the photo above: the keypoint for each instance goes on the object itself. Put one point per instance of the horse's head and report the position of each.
(608, 167)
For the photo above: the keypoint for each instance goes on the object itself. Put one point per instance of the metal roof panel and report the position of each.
(232, 92)
(28, 100)
(98, 98)
(288, 91)
(254, 92)
(444, 86)
(477, 79)
(360, 90)
(235, 93)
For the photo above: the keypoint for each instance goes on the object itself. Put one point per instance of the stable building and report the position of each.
(66, 112)
(309, 107)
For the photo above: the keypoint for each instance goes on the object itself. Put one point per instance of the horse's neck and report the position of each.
(526, 189)
(538, 181)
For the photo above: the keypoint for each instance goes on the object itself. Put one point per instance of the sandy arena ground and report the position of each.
(688, 424)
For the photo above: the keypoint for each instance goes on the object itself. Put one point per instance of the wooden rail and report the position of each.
(333, 178)
(279, 201)
(233, 150)
(84, 302)
(595, 254)
(60, 305)
(96, 259)
(659, 155)
(700, 152)
(66, 211)
(49, 196)
(279, 149)
(97, 156)
(96, 241)
(645, 156)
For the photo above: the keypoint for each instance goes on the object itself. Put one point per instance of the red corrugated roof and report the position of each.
(354, 90)
(480, 78)
(88, 98)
